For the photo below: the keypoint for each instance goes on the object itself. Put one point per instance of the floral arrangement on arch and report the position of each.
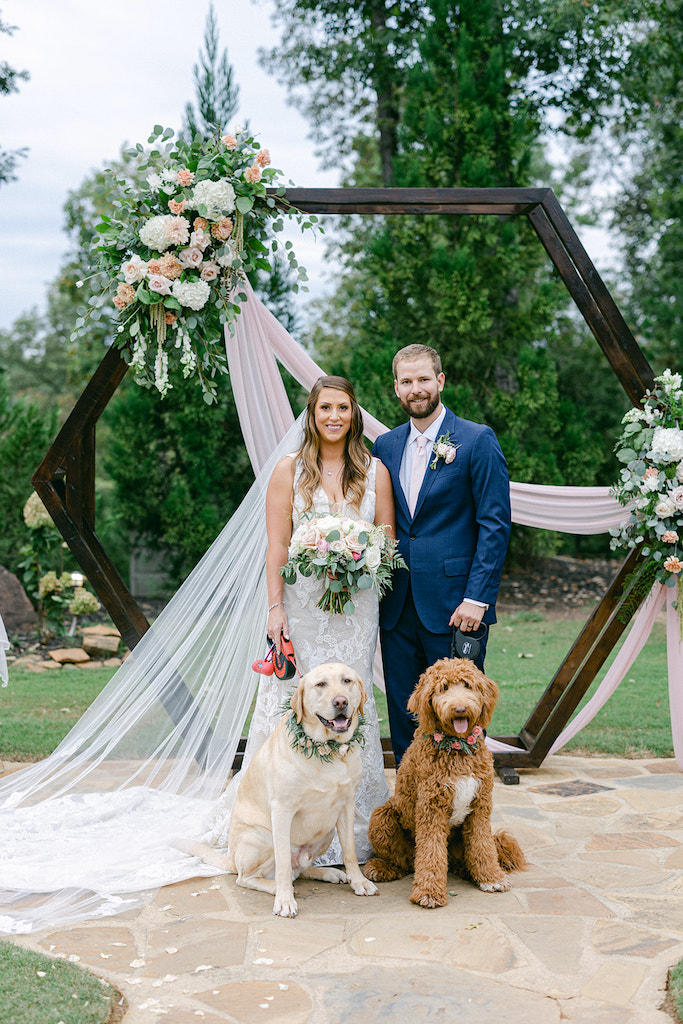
(651, 445)
(347, 554)
(190, 226)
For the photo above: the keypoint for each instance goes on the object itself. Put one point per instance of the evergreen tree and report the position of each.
(216, 95)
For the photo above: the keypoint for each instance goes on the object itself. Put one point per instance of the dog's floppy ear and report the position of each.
(419, 702)
(297, 699)
(364, 695)
(489, 691)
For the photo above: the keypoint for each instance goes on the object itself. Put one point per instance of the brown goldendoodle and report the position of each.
(440, 815)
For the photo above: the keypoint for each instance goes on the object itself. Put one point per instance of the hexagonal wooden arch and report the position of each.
(65, 479)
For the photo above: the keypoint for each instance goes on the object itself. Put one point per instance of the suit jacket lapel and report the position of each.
(447, 427)
(395, 455)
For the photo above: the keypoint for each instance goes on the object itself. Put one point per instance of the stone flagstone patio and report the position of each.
(586, 935)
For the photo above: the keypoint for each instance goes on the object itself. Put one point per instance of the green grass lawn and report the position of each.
(35, 989)
(526, 650)
(38, 709)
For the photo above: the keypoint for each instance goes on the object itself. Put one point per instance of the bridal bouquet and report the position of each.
(651, 483)
(187, 225)
(347, 554)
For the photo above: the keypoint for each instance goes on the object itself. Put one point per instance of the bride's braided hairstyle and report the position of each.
(356, 455)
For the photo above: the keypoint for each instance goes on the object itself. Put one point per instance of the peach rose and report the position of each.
(200, 223)
(176, 207)
(223, 229)
(199, 239)
(159, 284)
(170, 267)
(209, 271)
(185, 176)
(230, 141)
(170, 318)
(134, 270)
(670, 537)
(263, 158)
(252, 174)
(191, 257)
(673, 564)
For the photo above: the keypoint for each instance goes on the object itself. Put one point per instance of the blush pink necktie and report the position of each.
(417, 471)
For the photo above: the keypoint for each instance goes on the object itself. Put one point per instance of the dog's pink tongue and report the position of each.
(460, 725)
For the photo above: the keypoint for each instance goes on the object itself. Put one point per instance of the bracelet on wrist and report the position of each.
(276, 605)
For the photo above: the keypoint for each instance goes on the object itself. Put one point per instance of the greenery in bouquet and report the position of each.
(195, 219)
(348, 555)
(651, 485)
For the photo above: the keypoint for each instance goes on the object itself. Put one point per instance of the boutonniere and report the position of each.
(443, 449)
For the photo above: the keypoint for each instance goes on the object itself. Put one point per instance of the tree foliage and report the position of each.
(216, 94)
(26, 429)
(9, 83)
(649, 210)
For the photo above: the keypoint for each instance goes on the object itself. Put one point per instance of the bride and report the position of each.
(88, 832)
(331, 473)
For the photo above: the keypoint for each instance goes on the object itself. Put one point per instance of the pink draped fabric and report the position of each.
(584, 510)
(259, 341)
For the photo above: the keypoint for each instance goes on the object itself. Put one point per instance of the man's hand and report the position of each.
(467, 616)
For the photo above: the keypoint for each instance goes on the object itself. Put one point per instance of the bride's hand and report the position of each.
(277, 625)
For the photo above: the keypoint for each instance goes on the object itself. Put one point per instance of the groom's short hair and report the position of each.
(416, 352)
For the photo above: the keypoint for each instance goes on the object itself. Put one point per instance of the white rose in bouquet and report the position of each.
(665, 508)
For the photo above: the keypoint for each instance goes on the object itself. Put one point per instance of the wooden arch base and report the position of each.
(65, 479)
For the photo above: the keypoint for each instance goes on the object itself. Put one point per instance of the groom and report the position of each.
(452, 496)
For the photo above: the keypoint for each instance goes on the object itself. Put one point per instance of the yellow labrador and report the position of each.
(299, 787)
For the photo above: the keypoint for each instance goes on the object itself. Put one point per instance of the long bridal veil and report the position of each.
(86, 833)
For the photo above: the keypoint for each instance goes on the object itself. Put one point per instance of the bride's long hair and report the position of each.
(356, 455)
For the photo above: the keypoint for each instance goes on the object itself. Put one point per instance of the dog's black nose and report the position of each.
(340, 703)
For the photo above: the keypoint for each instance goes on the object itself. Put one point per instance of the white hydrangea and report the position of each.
(194, 294)
(154, 232)
(667, 444)
(217, 196)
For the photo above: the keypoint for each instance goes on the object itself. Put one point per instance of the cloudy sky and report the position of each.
(103, 75)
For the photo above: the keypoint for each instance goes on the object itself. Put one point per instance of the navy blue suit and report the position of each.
(454, 546)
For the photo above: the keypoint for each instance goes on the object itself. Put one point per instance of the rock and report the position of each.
(15, 608)
(70, 655)
(100, 646)
(27, 661)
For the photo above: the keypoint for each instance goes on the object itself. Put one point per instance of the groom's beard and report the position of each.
(420, 410)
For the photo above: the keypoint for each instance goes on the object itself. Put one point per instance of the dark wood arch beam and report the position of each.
(65, 479)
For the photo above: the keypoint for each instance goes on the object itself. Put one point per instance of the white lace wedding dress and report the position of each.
(318, 637)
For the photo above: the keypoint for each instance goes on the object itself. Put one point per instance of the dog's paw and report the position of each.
(334, 875)
(501, 886)
(285, 907)
(379, 870)
(364, 887)
(429, 900)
